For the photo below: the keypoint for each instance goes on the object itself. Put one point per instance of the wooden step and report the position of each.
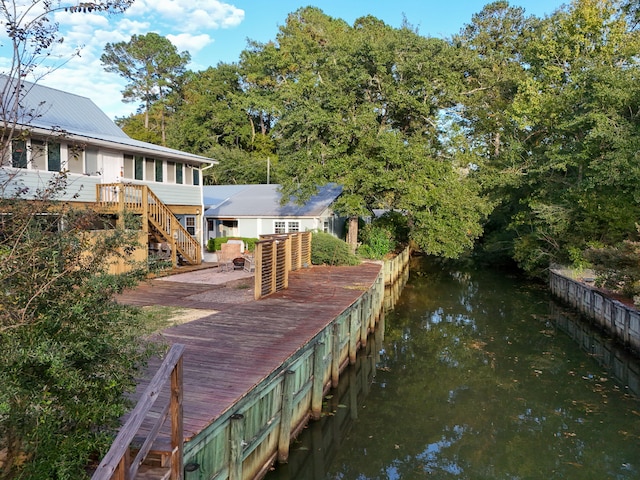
(147, 472)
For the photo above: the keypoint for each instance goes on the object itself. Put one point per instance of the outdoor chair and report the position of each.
(249, 263)
(228, 251)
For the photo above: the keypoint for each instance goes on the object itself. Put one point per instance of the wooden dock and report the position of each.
(238, 358)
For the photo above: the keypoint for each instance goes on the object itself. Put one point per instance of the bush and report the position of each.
(213, 245)
(383, 235)
(376, 242)
(68, 351)
(329, 250)
(617, 268)
(396, 223)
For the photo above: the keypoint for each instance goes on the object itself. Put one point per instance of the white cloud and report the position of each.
(188, 24)
(192, 43)
(189, 15)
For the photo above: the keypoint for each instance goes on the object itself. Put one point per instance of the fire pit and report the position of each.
(238, 263)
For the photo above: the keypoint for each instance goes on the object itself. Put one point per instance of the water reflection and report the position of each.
(476, 379)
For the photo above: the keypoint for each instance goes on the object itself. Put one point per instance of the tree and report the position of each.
(579, 107)
(563, 99)
(238, 167)
(360, 106)
(152, 66)
(211, 112)
(68, 352)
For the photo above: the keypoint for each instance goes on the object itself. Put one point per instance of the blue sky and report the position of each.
(216, 31)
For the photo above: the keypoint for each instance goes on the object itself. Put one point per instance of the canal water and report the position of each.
(477, 374)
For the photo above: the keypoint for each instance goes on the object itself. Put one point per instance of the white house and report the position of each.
(106, 169)
(254, 210)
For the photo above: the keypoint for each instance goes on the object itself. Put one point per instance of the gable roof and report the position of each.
(51, 110)
(263, 201)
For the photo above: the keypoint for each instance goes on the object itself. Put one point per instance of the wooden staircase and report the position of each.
(140, 200)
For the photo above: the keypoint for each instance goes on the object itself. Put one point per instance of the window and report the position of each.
(138, 167)
(38, 155)
(19, 154)
(325, 226)
(293, 227)
(149, 169)
(54, 160)
(196, 176)
(128, 165)
(190, 223)
(279, 227)
(75, 163)
(159, 170)
(179, 173)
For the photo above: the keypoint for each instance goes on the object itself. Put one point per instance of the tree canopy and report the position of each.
(516, 137)
(152, 67)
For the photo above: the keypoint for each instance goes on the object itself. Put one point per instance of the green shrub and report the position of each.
(396, 223)
(68, 351)
(213, 244)
(377, 242)
(329, 250)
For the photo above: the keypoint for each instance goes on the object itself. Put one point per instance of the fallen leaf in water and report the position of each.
(396, 446)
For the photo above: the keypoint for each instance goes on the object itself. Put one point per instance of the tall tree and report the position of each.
(68, 352)
(360, 107)
(152, 66)
(566, 168)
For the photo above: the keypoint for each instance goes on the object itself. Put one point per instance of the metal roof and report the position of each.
(263, 201)
(58, 111)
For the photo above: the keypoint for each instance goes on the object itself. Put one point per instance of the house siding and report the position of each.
(82, 188)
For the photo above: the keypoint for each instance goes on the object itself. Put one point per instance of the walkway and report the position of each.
(230, 351)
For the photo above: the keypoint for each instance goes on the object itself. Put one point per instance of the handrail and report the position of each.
(141, 199)
(115, 463)
(164, 220)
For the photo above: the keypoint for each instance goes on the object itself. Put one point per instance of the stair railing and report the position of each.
(116, 463)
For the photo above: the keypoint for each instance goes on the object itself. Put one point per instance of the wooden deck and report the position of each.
(229, 352)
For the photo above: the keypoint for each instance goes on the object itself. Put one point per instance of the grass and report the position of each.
(156, 318)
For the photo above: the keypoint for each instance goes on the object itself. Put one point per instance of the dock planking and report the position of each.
(230, 351)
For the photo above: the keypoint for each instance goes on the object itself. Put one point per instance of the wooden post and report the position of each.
(353, 394)
(299, 248)
(145, 209)
(364, 324)
(335, 355)
(317, 390)
(370, 311)
(353, 336)
(274, 266)
(236, 446)
(286, 414)
(287, 261)
(122, 471)
(174, 252)
(257, 277)
(177, 437)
